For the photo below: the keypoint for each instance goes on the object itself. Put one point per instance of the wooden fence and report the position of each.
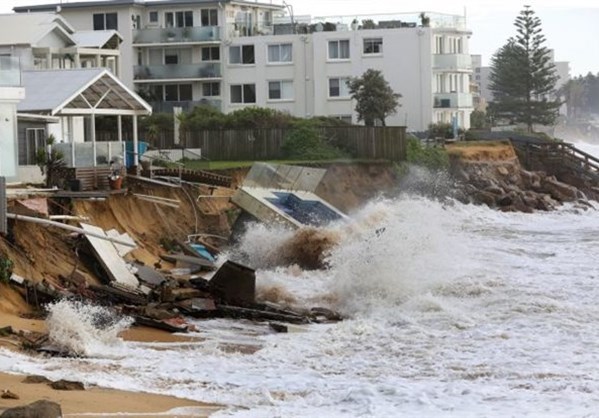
(361, 142)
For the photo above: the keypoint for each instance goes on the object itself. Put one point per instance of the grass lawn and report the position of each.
(223, 165)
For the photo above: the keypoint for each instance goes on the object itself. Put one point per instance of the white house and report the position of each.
(231, 54)
(11, 92)
(47, 41)
(61, 97)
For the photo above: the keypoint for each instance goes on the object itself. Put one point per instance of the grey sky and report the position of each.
(571, 26)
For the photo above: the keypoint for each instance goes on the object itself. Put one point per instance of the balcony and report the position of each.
(10, 72)
(452, 100)
(452, 62)
(187, 105)
(176, 72)
(176, 35)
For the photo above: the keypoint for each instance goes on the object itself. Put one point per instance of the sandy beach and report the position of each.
(95, 401)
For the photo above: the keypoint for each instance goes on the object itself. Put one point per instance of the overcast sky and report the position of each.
(570, 26)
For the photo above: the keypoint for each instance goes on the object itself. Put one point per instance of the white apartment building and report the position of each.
(232, 54)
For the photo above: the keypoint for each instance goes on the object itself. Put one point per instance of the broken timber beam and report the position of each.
(67, 227)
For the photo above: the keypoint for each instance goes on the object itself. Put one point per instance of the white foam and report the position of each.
(453, 312)
(83, 329)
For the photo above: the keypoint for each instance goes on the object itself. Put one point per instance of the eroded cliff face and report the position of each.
(490, 173)
(43, 253)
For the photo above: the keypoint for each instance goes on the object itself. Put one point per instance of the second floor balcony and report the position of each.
(186, 105)
(452, 62)
(10, 72)
(452, 100)
(194, 34)
(148, 73)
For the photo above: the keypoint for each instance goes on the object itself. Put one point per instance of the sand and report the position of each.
(95, 400)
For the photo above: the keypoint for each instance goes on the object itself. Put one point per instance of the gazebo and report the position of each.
(82, 93)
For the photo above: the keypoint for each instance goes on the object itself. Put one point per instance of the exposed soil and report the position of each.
(47, 253)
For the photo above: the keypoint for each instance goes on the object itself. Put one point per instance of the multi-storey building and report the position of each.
(232, 54)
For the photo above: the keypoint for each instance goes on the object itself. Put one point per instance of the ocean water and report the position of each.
(452, 311)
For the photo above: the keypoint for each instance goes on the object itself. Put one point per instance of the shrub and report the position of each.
(304, 142)
(6, 266)
(434, 158)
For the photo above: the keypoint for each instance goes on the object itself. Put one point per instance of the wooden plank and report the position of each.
(110, 259)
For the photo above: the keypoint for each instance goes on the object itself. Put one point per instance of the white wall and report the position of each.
(82, 19)
(406, 64)
(9, 97)
(299, 71)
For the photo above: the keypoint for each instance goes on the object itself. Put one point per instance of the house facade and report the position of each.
(231, 54)
(11, 93)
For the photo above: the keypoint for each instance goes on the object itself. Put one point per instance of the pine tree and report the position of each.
(523, 76)
(375, 99)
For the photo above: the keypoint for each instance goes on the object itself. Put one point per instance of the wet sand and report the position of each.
(95, 401)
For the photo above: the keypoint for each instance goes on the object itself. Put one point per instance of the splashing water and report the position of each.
(453, 311)
(82, 329)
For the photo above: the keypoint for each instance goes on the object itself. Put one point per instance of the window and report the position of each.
(280, 90)
(243, 93)
(242, 54)
(153, 17)
(177, 92)
(171, 57)
(210, 89)
(105, 21)
(209, 17)
(211, 53)
(280, 53)
(35, 139)
(338, 87)
(339, 50)
(178, 19)
(373, 46)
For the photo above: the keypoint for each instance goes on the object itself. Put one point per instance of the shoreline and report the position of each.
(96, 401)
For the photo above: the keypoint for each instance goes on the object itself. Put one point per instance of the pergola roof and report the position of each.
(98, 39)
(79, 92)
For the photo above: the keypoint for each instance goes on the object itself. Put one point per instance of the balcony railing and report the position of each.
(452, 62)
(177, 71)
(187, 105)
(177, 35)
(452, 100)
(10, 72)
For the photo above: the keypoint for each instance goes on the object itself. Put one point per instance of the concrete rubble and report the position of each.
(194, 285)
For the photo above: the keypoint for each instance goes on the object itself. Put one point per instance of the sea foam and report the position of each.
(83, 329)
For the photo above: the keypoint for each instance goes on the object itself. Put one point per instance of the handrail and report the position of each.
(569, 152)
(152, 159)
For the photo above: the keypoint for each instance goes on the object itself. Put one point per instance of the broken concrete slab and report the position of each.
(37, 207)
(109, 258)
(285, 194)
(122, 250)
(150, 276)
(234, 283)
(195, 261)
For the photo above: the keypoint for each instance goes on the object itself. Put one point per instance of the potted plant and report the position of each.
(424, 20)
(354, 24)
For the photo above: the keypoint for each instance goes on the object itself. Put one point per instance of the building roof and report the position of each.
(79, 92)
(97, 38)
(52, 7)
(30, 28)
